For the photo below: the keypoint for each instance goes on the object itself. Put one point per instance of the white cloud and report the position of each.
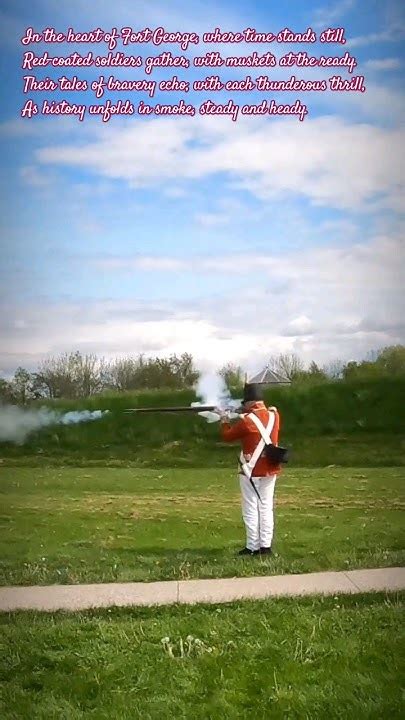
(212, 219)
(175, 192)
(381, 259)
(326, 17)
(324, 303)
(391, 34)
(143, 262)
(176, 15)
(383, 64)
(44, 128)
(300, 325)
(327, 160)
(379, 103)
(34, 177)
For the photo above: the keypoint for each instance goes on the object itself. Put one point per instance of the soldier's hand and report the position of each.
(223, 417)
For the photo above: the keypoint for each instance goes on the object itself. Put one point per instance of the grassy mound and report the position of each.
(342, 423)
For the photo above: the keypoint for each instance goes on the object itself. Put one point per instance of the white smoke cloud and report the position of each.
(16, 423)
(212, 390)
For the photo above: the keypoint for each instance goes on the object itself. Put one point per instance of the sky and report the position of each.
(233, 241)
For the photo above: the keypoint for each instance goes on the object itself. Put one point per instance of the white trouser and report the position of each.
(258, 515)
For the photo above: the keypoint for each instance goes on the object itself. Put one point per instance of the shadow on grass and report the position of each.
(193, 557)
(205, 553)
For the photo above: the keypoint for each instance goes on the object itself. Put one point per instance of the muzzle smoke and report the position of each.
(212, 390)
(16, 423)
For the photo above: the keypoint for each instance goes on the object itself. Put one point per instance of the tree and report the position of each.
(387, 362)
(123, 374)
(71, 375)
(89, 374)
(289, 365)
(58, 377)
(22, 385)
(184, 370)
(38, 387)
(232, 374)
(316, 372)
(6, 391)
(334, 369)
(313, 376)
(391, 360)
(175, 372)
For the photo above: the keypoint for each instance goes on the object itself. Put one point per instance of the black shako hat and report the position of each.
(252, 392)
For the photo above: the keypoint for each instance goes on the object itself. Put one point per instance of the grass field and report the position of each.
(94, 524)
(313, 659)
(68, 518)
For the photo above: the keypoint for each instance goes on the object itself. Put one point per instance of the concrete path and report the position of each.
(85, 597)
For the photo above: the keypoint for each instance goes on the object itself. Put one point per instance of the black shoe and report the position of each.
(246, 551)
(266, 551)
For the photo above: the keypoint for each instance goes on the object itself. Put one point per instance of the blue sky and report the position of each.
(233, 241)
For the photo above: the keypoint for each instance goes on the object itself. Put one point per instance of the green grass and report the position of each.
(71, 525)
(86, 444)
(308, 659)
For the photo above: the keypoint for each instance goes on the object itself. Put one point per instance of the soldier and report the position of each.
(257, 474)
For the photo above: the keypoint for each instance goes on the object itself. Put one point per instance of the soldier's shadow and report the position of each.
(177, 554)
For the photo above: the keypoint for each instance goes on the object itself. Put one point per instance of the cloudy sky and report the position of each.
(230, 240)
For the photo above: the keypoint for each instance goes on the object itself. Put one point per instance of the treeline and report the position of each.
(74, 376)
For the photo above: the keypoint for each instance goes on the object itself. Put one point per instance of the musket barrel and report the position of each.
(196, 409)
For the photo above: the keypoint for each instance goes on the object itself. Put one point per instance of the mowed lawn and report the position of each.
(72, 525)
(312, 658)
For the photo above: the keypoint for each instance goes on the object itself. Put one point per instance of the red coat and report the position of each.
(245, 431)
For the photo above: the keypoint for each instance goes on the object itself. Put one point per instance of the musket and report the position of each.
(191, 409)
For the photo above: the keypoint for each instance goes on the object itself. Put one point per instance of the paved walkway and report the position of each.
(85, 597)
